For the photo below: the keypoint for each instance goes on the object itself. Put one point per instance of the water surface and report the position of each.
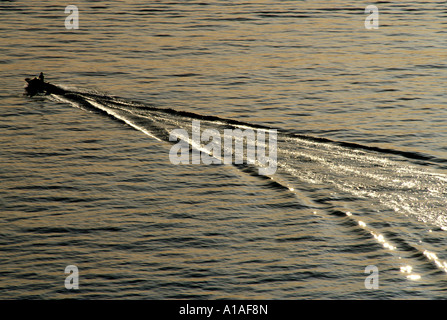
(361, 180)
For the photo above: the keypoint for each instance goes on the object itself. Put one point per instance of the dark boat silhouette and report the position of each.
(38, 86)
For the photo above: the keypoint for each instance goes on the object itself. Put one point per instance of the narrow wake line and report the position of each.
(116, 115)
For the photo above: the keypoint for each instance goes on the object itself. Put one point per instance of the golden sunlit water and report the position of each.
(360, 180)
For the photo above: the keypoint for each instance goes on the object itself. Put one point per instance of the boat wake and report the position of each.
(381, 192)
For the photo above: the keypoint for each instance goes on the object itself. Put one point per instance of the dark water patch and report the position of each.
(64, 230)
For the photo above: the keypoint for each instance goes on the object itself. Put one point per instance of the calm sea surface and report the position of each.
(361, 179)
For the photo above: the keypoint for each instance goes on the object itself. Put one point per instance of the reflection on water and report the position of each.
(361, 153)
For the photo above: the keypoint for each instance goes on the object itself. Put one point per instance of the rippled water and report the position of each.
(361, 175)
